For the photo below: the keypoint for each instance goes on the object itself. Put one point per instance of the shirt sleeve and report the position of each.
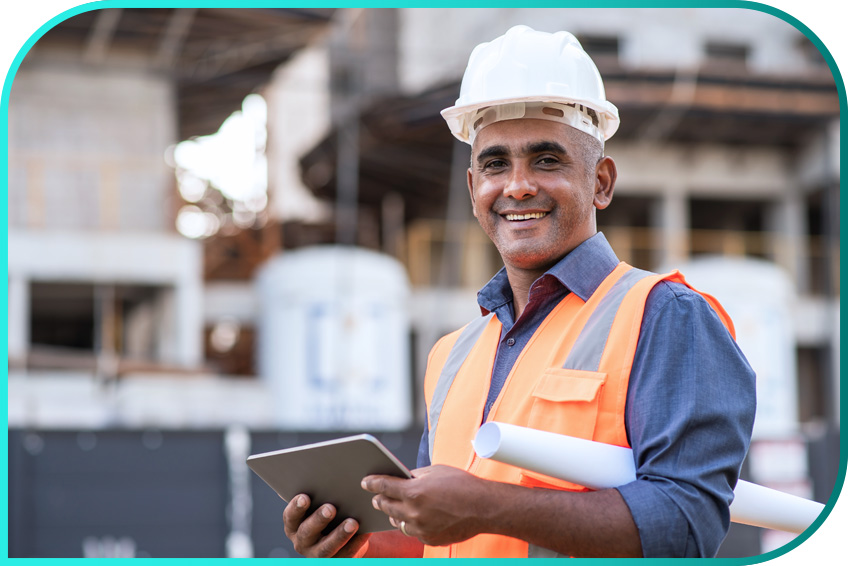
(690, 411)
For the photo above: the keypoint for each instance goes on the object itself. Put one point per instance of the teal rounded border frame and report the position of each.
(737, 4)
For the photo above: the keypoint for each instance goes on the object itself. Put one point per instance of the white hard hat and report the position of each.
(527, 73)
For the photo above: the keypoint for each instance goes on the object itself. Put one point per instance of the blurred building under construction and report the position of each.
(120, 324)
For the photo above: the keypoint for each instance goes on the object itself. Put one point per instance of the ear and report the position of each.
(470, 177)
(605, 176)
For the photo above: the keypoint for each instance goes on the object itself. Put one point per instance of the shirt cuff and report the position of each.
(663, 528)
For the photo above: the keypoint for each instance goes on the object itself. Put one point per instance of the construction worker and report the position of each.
(571, 341)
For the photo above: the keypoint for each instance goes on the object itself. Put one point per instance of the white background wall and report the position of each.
(75, 164)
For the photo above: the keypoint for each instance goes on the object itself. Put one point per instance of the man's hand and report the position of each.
(440, 505)
(306, 532)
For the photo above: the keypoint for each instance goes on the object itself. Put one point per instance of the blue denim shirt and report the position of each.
(690, 401)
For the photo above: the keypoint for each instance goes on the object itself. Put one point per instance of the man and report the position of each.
(571, 341)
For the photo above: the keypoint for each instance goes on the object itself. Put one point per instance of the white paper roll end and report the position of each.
(487, 441)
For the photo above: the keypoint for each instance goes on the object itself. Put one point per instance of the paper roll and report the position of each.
(601, 466)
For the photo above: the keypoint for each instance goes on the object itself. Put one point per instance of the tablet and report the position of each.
(331, 472)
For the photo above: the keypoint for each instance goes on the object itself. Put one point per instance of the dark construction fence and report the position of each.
(157, 493)
(170, 493)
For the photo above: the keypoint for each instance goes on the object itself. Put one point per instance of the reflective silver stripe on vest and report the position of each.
(590, 344)
(461, 348)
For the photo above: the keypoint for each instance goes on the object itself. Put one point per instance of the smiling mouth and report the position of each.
(528, 216)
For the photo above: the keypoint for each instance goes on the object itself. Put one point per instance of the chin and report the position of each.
(530, 261)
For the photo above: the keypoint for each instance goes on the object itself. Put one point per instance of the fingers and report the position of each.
(391, 507)
(306, 532)
(403, 526)
(311, 530)
(334, 542)
(389, 495)
(293, 514)
(397, 509)
(385, 485)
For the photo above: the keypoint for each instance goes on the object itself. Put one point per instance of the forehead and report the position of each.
(516, 134)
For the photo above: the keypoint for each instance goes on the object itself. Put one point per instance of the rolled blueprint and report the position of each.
(600, 466)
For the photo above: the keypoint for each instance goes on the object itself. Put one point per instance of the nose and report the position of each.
(520, 184)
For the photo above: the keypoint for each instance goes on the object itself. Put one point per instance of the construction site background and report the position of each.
(237, 230)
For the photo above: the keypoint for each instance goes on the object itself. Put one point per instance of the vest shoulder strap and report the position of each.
(587, 350)
(458, 353)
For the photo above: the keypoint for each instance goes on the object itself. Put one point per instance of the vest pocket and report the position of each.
(565, 401)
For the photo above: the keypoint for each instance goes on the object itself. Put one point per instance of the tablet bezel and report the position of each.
(331, 472)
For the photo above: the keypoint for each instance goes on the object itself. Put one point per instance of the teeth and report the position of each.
(529, 216)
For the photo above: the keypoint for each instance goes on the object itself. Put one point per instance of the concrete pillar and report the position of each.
(457, 215)
(392, 216)
(106, 323)
(18, 320)
(786, 223)
(188, 306)
(166, 326)
(672, 221)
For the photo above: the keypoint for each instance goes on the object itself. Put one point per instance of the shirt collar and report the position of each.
(581, 272)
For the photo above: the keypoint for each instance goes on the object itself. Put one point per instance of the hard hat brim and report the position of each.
(457, 116)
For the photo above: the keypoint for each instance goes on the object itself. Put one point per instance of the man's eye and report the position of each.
(548, 161)
(494, 164)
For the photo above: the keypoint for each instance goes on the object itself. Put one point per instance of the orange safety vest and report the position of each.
(571, 378)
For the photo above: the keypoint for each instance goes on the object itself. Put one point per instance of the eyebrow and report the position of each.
(534, 147)
(492, 151)
(545, 146)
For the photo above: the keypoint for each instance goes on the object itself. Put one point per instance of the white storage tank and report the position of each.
(333, 339)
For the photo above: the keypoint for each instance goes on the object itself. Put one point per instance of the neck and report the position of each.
(520, 281)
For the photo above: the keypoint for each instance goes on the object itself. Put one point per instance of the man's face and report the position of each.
(534, 191)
